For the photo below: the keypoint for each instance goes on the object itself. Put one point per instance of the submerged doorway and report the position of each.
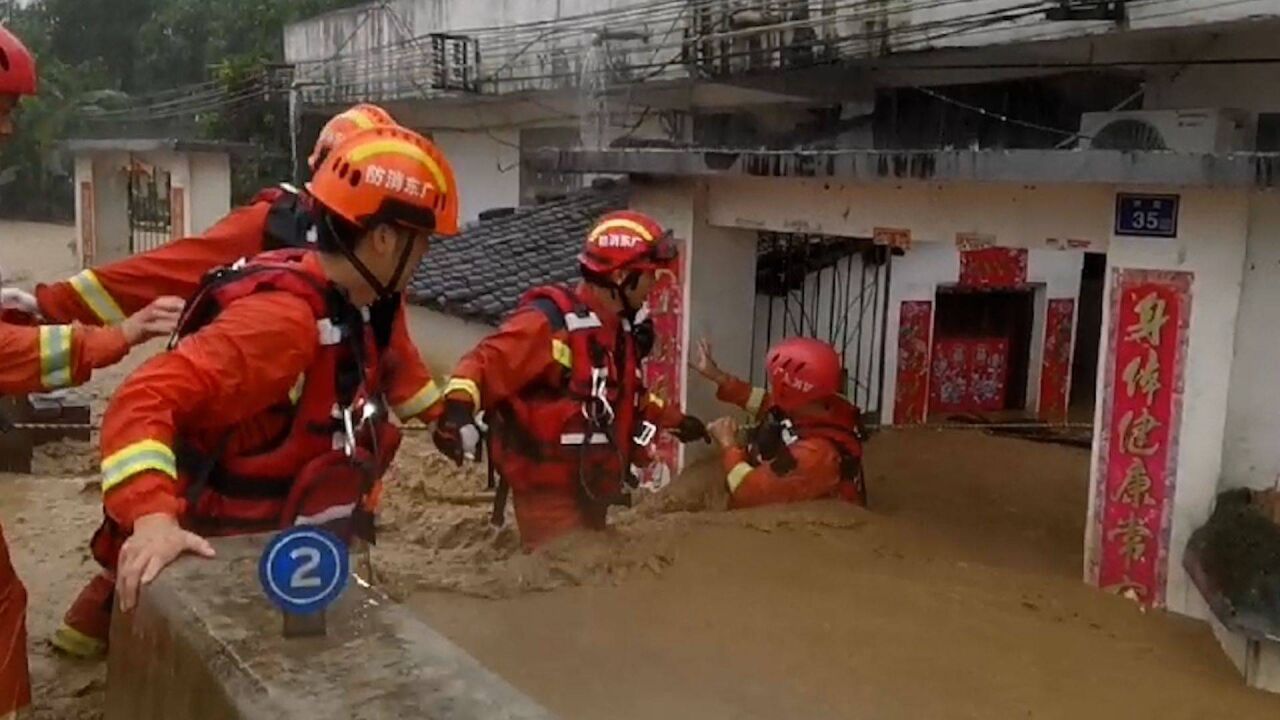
(982, 351)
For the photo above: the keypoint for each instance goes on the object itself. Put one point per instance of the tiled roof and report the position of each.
(481, 273)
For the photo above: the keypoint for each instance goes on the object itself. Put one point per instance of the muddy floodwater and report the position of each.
(958, 596)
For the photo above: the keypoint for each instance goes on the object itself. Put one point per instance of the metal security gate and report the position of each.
(831, 288)
(150, 213)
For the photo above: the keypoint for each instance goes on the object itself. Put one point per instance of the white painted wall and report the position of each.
(1251, 449)
(487, 167)
(1211, 244)
(1017, 215)
(210, 191)
(719, 286)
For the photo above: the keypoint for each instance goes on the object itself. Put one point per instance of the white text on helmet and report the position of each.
(618, 240)
(395, 181)
(794, 382)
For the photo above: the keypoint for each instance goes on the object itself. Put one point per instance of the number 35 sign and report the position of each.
(1147, 215)
(304, 569)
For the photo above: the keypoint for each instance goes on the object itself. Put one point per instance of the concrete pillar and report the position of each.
(1213, 226)
(205, 644)
(111, 206)
(720, 280)
(1251, 451)
(209, 196)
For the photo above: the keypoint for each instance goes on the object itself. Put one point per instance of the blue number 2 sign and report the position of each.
(304, 569)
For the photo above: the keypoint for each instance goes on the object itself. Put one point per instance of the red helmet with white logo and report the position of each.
(17, 67)
(801, 371)
(627, 240)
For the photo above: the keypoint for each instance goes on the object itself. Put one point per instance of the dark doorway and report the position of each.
(1084, 361)
(982, 349)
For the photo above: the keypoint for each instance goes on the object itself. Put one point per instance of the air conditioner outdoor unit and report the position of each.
(1190, 131)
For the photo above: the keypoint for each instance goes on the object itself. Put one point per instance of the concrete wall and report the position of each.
(487, 166)
(1211, 244)
(719, 287)
(210, 191)
(1016, 215)
(1251, 450)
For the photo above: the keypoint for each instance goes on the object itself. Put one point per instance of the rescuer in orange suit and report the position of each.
(276, 218)
(36, 357)
(559, 385)
(266, 412)
(807, 442)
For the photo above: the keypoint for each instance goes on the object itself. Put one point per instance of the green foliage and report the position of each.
(100, 54)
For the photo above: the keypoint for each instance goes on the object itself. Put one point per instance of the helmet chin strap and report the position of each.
(380, 289)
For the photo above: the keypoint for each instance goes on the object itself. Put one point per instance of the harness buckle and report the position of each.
(599, 408)
(648, 431)
(788, 432)
(348, 432)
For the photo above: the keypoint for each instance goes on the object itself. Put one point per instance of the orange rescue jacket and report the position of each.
(108, 294)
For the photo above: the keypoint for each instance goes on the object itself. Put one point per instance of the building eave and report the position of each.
(145, 145)
(1229, 170)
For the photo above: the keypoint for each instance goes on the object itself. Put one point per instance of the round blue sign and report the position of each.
(304, 569)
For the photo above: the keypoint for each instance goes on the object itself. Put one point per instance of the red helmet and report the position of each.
(627, 240)
(802, 370)
(17, 67)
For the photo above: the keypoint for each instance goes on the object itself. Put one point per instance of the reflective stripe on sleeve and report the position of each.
(55, 356)
(737, 475)
(561, 352)
(467, 386)
(423, 399)
(137, 458)
(96, 297)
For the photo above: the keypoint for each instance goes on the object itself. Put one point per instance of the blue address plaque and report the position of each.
(1139, 215)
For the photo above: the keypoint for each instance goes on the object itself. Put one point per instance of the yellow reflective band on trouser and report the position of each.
(755, 400)
(414, 406)
(467, 386)
(75, 643)
(90, 290)
(561, 352)
(55, 356)
(137, 458)
(295, 392)
(737, 475)
(657, 401)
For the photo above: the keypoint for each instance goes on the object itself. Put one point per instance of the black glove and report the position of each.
(690, 429)
(450, 435)
(645, 337)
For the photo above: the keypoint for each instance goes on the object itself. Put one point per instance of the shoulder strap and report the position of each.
(289, 224)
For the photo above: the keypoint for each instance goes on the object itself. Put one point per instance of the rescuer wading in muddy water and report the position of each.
(269, 410)
(36, 357)
(807, 443)
(276, 218)
(570, 422)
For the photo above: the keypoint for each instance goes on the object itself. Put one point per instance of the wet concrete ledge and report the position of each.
(205, 644)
